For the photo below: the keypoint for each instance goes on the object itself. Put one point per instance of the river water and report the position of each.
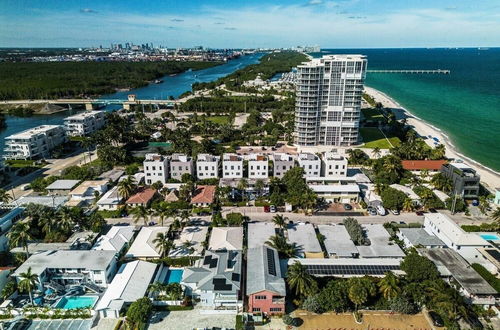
(171, 86)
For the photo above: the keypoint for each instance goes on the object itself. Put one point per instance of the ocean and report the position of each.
(465, 104)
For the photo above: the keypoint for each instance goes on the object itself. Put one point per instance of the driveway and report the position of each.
(189, 320)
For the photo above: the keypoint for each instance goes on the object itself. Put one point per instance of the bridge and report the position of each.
(90, 102)
(438, 71)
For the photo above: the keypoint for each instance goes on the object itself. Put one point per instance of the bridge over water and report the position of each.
(90, 102)
(412, 71)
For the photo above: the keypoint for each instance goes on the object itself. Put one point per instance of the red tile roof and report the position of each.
(204, 194)
(142, 197)
(418, 165)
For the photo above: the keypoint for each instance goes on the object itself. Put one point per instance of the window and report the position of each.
(275, 309)
(260, 297)
(256, 309)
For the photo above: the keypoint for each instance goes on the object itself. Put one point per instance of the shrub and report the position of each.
(489, 277)
(355, 231)
(140, 310)
(289, 320)
(403, 305)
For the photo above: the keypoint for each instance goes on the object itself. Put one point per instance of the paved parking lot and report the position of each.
(188, 320)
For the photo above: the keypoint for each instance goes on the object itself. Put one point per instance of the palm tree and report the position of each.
(126, 187)
(27, 282)
(49, 222)
(300, 280)
(427, 196)
(141, 212)
(284, 248)
(65, 219)
(358, 295)
(408, 205)
(4, 196)
(483, 204)
(280, 221)
(392, 164)
(19, 236)
(187, 246)
(389, 286)
(157, 287)
(376, 152)
(242, 187)
(184, 215)
(163, 244)
(163, 213)
(496, 215)
(424, 174)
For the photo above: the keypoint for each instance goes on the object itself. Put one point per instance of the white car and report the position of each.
(381, 210)
(395, 212)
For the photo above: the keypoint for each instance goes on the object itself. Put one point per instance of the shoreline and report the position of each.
(489, 177)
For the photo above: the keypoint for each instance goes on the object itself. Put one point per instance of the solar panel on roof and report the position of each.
(319, 270)
(235, 277)
(213, 263)
(271, 266)
(221, 285)
(206, 260)
(494, 253)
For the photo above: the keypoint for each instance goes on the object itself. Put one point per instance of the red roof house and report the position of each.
(203, 196)
(420, 165)
(143, 197)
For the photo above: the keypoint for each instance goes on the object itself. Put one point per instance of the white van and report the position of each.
(381, 210)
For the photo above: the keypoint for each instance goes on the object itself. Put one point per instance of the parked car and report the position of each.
(436, 319)
(433, 210)
(347, 207)
(420, 213)
(371, 211)
(395, 212)
(381, 210)
(267, 209)
(25, 187)
(475, 202)
(272, 209)
(402, 223)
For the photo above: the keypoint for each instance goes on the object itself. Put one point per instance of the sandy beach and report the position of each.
(489, 177)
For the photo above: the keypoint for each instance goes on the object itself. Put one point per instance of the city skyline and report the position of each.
(236, 24)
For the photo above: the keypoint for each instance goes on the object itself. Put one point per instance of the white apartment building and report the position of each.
(180, 164)
(156, 168)
(334, 165)
(258, 166)
(34, 142)
(84, 123)
(232, 166)
(311, 164)
(328, 101)
(282, 162)
(207, 166)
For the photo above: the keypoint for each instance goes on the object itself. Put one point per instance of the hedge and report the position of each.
(489, 277)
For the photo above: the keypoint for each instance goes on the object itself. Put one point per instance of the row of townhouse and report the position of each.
(161, 168)
(38, 142)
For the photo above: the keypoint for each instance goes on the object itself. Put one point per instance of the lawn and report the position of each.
(221, 120)
(372, 114)
(373, 137)
(20, 163)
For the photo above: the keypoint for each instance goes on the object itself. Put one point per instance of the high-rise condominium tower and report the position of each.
(328, 102)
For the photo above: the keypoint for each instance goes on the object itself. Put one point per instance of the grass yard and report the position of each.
(372, 114)
(221, 120)
(373, 137)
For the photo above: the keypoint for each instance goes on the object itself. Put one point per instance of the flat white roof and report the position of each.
(33, 131)
(143, 246)
(380, 246)
(304, 236)
(129, 284)
(453, 231)
(334, 188)
(337, 241)
(259, 233)
(83, 115)
(62, 185)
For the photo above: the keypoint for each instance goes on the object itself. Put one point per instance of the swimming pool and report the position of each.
(490, 237)
(173, 276)
(74, 302)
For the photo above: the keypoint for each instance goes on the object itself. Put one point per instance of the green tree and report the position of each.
(280, 221)
(496, 215)
(484, 204)
(284, 248)
(408, 205)
(300, 280)
(126, 187)
(163, 244)
(19, 235)
(141, 213)
(393, 199)
(360, 289)
(418, 268)
(4, 196)
(389, 286)
(27, 282)
(139, 311)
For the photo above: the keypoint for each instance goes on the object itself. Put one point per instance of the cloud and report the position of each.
(230, 28)
(176, 20)
(88, 11)
(314, 2)
(219, 23)
(451, 8)
(356, 17)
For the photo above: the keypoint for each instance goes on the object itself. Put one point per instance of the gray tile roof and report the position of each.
(418, 236)
(62, 185)
(263, 271)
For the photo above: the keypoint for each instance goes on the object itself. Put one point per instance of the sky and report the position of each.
(251, 23)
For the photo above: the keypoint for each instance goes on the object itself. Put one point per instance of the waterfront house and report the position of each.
(84, 123)
(334, 165)
(465, 180)
(34, 143)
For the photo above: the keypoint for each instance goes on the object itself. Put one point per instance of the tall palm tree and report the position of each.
(126, 187)
(483, 204)
(4, 196)
(376, 152)
(163, 244)
(389, 286)
(280, 221)
(300, 280)
(408, 205)
(358, 295)
(496, 215)
(184, 215)
(65, 218)
(242, 187)
(284, 248)
(141, 213)
(187, 246)
(163, 213)
(27, 282)
(19, 236)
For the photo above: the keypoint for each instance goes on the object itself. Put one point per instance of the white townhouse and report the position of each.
(34, 143)
(311, 164)
(232, 166)
(258, 166)
(156, 168)
(207, 166)
(180, 164)
(334, 165)
(84, 123)
(282, 163)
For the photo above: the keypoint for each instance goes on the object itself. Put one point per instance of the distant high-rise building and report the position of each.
(328, 102)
